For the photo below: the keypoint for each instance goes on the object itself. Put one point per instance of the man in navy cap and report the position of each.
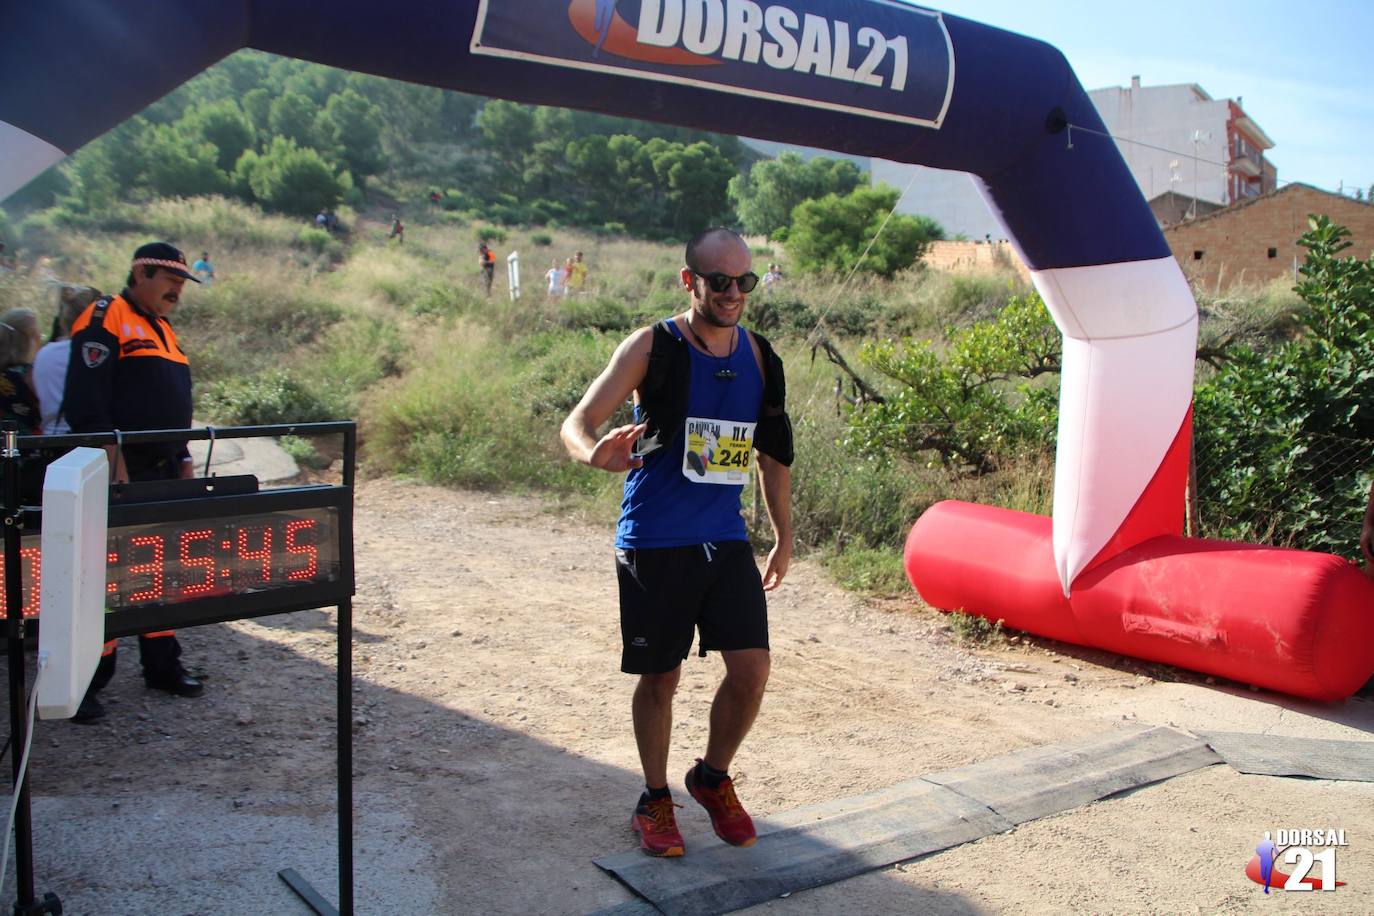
(127, 372)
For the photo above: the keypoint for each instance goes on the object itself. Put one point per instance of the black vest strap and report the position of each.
(663, 395)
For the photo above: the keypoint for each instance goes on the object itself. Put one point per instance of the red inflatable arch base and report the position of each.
(1296, 622)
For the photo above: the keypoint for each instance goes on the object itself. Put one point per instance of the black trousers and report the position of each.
(158, 652)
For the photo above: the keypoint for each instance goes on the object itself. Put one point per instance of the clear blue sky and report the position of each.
(1305, 71)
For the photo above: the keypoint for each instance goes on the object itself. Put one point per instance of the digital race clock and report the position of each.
(215, 555)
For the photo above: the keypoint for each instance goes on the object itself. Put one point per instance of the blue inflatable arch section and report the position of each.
(867, 77)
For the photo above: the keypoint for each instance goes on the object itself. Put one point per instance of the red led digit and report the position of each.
(33, 581)
(205, 564)
(31, 563)
(309, 551)
(263, 553)
(153, 568)
(111, 586)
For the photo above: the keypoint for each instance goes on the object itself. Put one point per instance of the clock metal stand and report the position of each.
(240, 552)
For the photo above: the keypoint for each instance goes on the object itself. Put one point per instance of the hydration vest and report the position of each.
(663, 396)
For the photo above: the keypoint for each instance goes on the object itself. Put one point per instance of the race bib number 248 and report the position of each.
(717, 451)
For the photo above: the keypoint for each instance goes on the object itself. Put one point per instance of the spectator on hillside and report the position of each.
(322, 219)
(772, 278)
(557, 275)
(50, 366)
(203, 269)
(486, 261)
(398, 230)
(577, 279)
(434, 198)
(19, 340)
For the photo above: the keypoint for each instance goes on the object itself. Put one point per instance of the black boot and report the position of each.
(162, 668)
(91, 710)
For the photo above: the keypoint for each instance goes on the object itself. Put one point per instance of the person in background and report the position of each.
(19, 340)
(577, 279)
(558, 278)
(203, 269)
(50, 366)
(772, 278)
(398, 230)
(128, 372)
(486, 261)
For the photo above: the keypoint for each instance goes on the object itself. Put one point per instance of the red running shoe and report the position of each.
(657, 828)
(728, 818)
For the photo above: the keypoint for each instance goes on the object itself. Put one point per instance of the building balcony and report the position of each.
(1248, 164)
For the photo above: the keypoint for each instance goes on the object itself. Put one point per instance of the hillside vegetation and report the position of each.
(456, 388)
(905, 386)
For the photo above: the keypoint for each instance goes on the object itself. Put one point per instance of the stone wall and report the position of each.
(1256, 241)
(974, 256)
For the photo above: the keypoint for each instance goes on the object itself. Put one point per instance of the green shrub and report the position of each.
(442, 299)
(272, 396)
(542, 239)
(302, 451)
(838, 234)
(507, 215)
(974, 403)
(972, 630)
(291, 179)
(480, 410)
(843, 501)
(489, 234)
(598, 313)
(457, 200)
(317, 241)
(1284, 434)
(352, 357)
(874, 572)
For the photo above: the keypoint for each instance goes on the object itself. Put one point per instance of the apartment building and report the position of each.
(1177, 140)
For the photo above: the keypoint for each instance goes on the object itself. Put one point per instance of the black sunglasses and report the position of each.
(719, 283)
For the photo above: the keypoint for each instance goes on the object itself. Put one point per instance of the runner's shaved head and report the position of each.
(712, 240)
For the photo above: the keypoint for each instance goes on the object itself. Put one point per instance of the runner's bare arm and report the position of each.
(776, 478)
(612, 387)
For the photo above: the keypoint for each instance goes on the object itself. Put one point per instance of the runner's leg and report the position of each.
(736, 704)
(653, 721)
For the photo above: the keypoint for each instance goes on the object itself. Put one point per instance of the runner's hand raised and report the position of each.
(613, 451)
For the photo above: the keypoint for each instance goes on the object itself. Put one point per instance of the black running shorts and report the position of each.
(667, 592)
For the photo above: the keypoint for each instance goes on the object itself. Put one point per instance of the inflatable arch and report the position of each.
(868, 77)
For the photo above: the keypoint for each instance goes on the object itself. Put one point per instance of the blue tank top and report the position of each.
(688, 491)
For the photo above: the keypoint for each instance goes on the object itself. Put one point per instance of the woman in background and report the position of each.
(50, 366)
(19, 340)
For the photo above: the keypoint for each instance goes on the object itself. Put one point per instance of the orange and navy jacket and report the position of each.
(127, 372)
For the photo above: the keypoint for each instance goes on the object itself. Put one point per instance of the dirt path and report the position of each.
(491, 717)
